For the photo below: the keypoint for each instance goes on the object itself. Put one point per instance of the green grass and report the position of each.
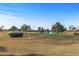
(61, 35)
(29, 34)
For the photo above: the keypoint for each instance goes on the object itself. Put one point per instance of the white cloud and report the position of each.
(9, 20)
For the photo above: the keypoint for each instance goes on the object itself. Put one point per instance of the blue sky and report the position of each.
(43, 15)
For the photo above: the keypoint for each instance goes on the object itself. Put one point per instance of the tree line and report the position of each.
(57, 27)
(25, 28)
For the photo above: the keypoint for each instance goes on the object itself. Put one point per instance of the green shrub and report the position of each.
(16, 34)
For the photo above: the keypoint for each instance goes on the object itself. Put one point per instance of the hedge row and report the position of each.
(16, 34)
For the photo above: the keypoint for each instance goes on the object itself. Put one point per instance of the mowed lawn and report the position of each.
(41, 44)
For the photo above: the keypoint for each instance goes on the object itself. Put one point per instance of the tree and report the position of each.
(40, 29)
(47, 30)
(25, 27)
(72, 28)
(58, 28)
(13, 28)
(2, 28)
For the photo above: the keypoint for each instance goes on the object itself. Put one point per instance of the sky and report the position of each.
(39, 14)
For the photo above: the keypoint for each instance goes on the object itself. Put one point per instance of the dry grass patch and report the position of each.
(41, 45)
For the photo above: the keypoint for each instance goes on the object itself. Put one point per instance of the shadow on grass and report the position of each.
(33, 55)
(3, 49)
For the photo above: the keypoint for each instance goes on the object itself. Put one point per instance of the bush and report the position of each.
(75, 33)
(16, 34)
